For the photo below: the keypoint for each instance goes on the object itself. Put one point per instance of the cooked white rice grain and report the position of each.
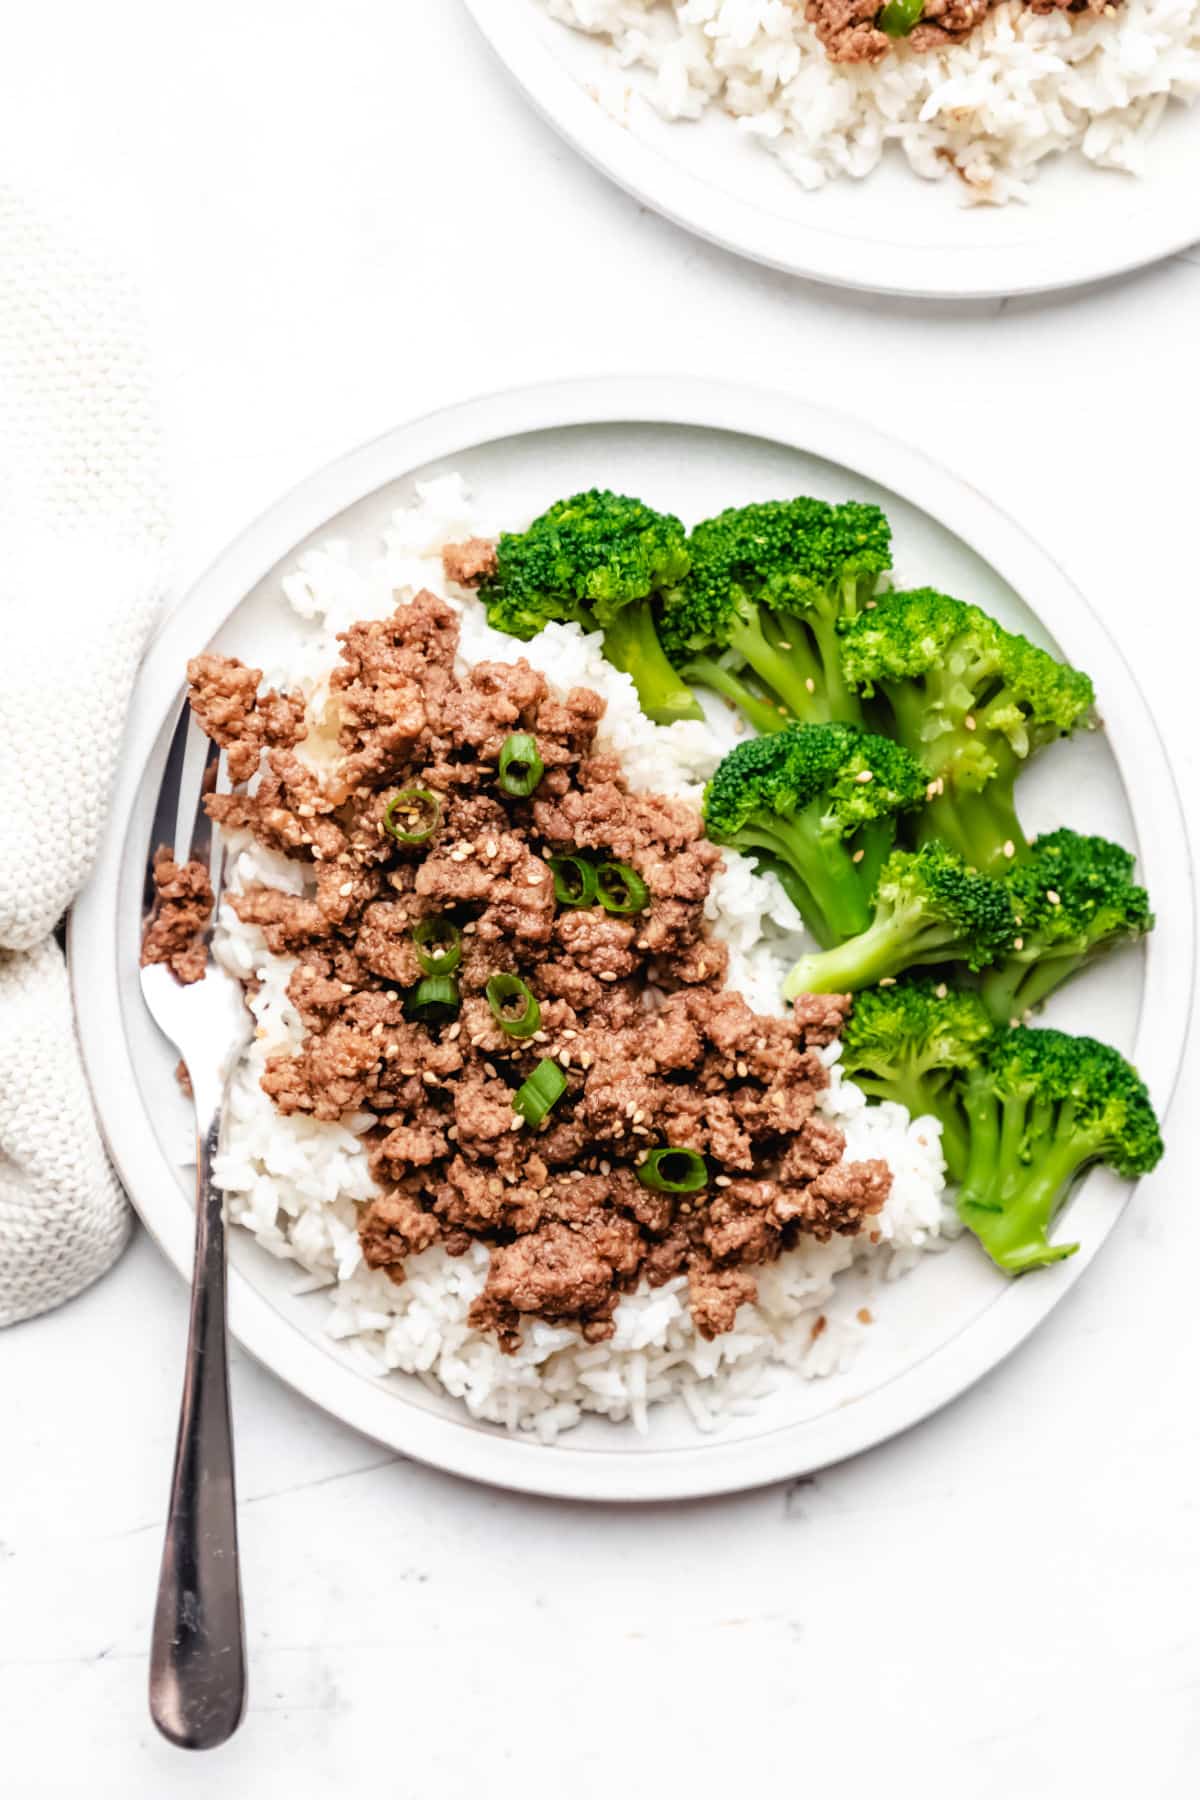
(1020, 88)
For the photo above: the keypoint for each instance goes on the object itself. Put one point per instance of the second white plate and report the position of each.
(890, 233)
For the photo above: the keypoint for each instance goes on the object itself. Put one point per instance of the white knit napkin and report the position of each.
(82, 536)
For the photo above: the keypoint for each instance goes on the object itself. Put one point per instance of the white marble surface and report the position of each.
(346, 217)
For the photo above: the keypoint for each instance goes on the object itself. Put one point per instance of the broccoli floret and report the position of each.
(756, 619)
(819, 805)
(1072, 900)
(930, 907)
(912, 1042)
(1041, 1107)
(598, 558)
(972, 701)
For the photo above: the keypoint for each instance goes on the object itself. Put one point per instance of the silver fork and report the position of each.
(198, 1647)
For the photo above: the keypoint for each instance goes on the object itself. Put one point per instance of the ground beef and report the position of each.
(179, 920)
(653, 1048)
(470, 564)
(848, 29)
(225, 699)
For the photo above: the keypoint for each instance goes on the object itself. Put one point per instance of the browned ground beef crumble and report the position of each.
(655, 1049)
(179, 921)
(850, 34)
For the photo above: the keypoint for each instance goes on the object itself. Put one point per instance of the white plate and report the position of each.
(892, 233)
(692, 446)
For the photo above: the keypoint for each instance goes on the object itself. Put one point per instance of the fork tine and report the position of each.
(201, 846)
(164, 830)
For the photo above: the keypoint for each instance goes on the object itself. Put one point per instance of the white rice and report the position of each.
(1019, 89)
(295, 1183)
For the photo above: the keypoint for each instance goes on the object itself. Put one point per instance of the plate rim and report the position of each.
(971, 272)
(459, 1445)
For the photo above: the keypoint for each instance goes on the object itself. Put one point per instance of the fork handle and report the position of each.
(198, 1647)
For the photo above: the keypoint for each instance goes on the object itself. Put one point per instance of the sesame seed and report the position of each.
(392, 1050)
(864, 775)
(743, 1068)
(306, 811)
(1010, 849)
(784, 645)
(346, 888)
(377, 1031)
(586, 1059)
(491, 847)
(490, 1069)
(406, 1071)
(701, 970)
(887, 981)
(564, 1057)
(605, 1167)
(858, 856)
(459, 856)
(969, 722)
(478, 1039)
(541, 1037)
(638, 1116)
(941, 990)
(516, 1122)
(569, 1035)
(1018, 943)
(346, 988)
(429, 1078)
(811, 685)
(722, 1181)
(1052, 897)
(317, 857)
(452, 1132)
(534, 878)
(392, 994)
(453, 1031)
(607, 975)
(782, 711)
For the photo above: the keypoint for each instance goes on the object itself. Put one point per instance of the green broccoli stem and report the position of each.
(1015, 987)
(784, 672)
(917, 1091)
(631, 644)
(769, 861)
(1016, 1234)
(706, 672)
(826, 870)
(979, 824)
(839, 701)
(892, 943)
(1009, 1202)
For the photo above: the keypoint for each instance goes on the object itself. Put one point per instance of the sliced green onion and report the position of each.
(534, 1098)
(413, 815)
(433, 1000)
(521, 768)
(899, 17)
(620, 889)
(439, 945)
(672, 1171)
(502, 991)
(574, 880)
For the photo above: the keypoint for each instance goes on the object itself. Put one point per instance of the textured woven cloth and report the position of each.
(82, 535)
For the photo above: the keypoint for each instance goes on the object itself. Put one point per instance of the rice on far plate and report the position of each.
(1021, 85)
(296, 1183)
